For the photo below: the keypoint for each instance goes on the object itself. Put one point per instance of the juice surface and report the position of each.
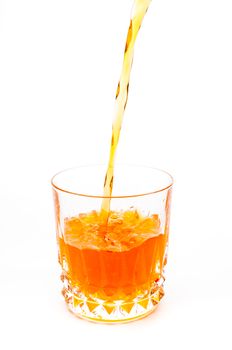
(117, 260)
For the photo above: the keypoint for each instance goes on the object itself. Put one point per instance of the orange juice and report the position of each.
(115, 261)
(139, 10)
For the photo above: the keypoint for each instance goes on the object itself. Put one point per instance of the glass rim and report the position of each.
(54, 186)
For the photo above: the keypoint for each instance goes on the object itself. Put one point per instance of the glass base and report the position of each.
(98, 310)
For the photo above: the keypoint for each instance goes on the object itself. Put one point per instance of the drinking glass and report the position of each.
(112, 270)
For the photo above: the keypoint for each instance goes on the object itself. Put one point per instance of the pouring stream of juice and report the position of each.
(139, 10)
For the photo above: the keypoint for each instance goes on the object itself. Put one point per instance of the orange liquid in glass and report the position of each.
(117, 260)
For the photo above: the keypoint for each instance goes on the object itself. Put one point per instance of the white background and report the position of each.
(59, 66)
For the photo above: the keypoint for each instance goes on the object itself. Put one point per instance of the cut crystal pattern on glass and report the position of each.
(95, 309)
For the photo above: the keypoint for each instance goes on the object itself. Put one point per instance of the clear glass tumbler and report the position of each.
(112, 270)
